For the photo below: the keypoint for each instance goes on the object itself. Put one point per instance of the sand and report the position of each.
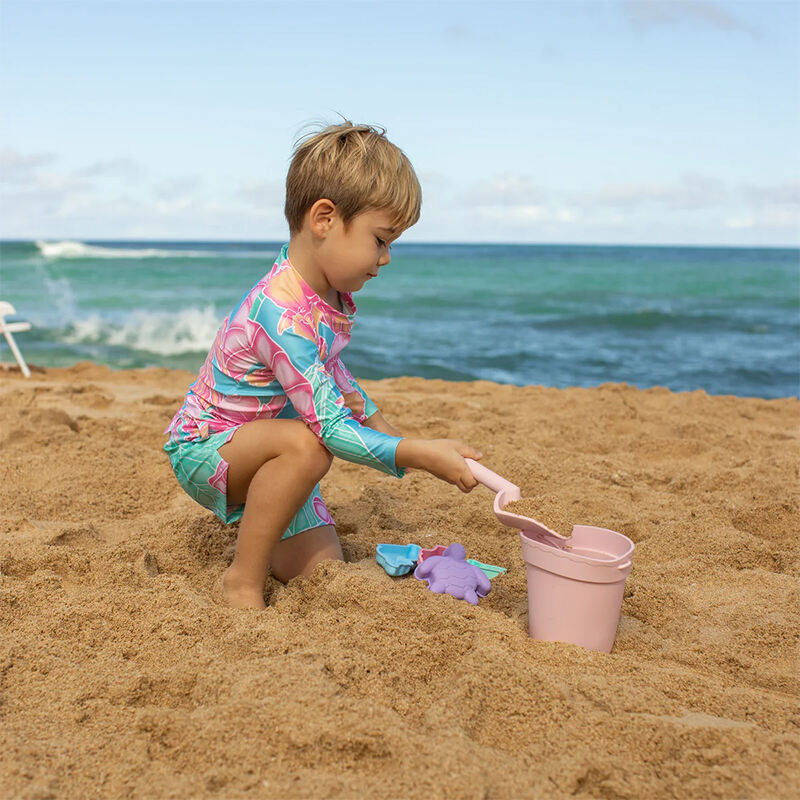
(121, 675)
(548, 509)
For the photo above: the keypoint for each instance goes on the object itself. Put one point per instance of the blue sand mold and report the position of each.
(397, 559)
(400, 559)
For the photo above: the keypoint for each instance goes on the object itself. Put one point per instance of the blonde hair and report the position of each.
(358, 169)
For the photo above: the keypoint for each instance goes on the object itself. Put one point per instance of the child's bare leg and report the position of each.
(274, 466)
(299, 554)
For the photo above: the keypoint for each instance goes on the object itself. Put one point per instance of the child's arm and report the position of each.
(443, 458)
(293, 357)
(357, 400)
(364, 410)
(378, 423)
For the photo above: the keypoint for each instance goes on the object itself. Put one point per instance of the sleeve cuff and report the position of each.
(369, 407)
(399, 472)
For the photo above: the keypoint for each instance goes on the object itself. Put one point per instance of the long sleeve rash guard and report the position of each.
(278, 356)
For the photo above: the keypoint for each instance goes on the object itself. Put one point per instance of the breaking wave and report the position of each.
(74, 249)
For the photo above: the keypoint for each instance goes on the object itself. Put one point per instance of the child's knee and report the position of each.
(311, 450)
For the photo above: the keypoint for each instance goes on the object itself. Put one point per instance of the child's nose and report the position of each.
(384, 259)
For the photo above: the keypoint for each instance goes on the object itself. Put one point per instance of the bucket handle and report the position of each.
(624, 566)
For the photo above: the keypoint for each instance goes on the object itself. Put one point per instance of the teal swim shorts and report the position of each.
(203, 474)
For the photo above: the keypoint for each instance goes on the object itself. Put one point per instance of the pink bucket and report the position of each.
(575, 589)
(575, 583)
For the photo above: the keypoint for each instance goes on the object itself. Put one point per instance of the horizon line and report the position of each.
(51, 240)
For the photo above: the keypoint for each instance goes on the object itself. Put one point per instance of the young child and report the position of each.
(274, 403)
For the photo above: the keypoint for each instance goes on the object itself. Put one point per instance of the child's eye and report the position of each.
(381, 242)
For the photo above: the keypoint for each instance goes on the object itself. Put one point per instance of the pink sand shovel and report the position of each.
(507, 492)
(575, 583)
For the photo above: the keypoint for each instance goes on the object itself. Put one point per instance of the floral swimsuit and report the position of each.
(277, 356)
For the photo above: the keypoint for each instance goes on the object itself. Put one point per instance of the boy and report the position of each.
(274, 403)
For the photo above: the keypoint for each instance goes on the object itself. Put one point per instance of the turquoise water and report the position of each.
(719, 319)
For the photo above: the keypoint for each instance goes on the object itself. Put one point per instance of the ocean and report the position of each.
(726, 320)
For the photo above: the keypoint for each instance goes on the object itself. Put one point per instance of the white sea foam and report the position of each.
(60, 295)
(189, 330)
(73, 249)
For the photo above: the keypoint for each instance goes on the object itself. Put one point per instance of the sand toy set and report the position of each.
(446, 569)
(575, 582)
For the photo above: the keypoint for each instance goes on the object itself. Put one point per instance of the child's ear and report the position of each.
(321, 216)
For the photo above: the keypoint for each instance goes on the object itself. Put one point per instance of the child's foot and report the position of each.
(238, 595)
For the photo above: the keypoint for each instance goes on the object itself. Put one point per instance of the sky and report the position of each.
(600, 122)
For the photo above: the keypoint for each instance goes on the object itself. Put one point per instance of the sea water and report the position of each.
(726, 320)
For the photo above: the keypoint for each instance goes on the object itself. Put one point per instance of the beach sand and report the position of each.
(121, 675)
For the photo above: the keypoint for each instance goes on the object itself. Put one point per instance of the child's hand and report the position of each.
(443, 458)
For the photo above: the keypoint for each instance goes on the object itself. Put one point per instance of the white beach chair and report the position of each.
(7, 328)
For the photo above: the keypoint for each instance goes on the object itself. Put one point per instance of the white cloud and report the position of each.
(262, 193)
(696, 206)
(41, 196)
(745, 221)
(690, 191)
(113, 167)
(788, 218)
(98, 201)
(431, 178)
(75, 204)
(693, 192)
(177, 188)
(770, 218)
(522, 215)
(787, 193)
(172, 207)
(16, 167)
(510, 203)
(507, 189)
(653, 13)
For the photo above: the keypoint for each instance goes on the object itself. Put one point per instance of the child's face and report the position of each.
(349, 259)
